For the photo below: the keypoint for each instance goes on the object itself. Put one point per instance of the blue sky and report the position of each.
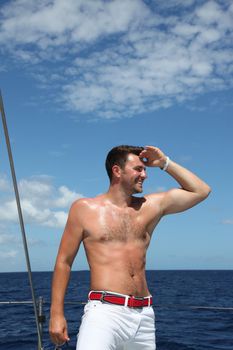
(80, 77)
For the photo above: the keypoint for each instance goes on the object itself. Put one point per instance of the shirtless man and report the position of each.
(116, 228)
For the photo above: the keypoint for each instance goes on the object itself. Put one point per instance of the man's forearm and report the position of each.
(59, 285)
(187, 180)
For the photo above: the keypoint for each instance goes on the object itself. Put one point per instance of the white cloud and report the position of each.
(10, 254)
(65, 197)
(35, 187)
(56, 219)
(8, 211)
(15, 240)
(40, 201)
(55, 23)
(8, 239)
(228, 222)
(4, 183)
(120, 58)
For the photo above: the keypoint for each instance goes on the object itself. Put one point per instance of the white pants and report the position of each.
(114, 327)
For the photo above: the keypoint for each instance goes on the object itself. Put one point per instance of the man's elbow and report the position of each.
(204, 192)
(63, 263)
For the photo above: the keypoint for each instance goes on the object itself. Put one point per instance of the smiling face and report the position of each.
(133, 174)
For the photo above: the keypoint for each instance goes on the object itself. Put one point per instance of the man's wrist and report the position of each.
(56, 311)
(166, 164)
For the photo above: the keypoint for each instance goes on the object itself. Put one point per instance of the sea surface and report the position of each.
(194, 309)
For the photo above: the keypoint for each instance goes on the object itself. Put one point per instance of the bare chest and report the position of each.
(122, 226)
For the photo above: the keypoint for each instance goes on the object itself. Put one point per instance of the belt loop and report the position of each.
(126, 300)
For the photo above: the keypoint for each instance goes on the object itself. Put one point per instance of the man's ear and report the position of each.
(116, 171)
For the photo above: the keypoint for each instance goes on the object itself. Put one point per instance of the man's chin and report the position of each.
(138, 190)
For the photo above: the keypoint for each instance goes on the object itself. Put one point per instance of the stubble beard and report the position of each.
(138, 188)
(134, 187)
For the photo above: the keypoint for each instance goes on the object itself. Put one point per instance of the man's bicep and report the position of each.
(72, 236)
(178, 200)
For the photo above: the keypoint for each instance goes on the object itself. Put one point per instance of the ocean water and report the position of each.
(178, 295)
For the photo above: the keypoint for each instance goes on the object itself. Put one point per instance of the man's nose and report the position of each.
(144, 174)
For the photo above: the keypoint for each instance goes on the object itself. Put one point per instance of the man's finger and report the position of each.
(66, 336)
(59, 338)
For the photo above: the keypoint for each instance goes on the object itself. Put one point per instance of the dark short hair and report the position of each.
(119, 155)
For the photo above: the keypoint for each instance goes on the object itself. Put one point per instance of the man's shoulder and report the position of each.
(86, 202)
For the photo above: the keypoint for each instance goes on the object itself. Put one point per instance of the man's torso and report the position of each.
(116, 240)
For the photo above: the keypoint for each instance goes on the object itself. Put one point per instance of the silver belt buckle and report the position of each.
(102, 297)
(139, 298)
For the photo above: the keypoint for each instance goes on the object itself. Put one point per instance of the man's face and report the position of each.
(133, 174)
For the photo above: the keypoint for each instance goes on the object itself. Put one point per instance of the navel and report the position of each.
(131, 271)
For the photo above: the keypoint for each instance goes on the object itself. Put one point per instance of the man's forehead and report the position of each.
(133, 158)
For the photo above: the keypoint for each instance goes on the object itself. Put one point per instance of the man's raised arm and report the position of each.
(193, 190)
(69, 246)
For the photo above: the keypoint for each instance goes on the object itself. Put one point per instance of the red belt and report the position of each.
(119, 299)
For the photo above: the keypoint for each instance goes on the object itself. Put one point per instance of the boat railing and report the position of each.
(42, 317)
